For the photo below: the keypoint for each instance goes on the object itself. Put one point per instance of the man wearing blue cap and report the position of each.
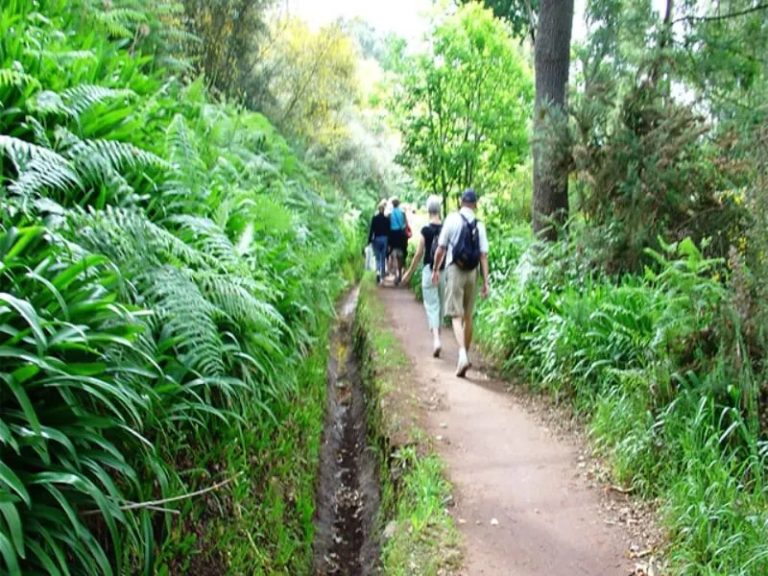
(463, 244)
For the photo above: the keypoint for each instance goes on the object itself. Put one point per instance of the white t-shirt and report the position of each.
(451, 231)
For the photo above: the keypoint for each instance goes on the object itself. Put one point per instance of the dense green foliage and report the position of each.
(649, 314)
(659, 148)
(224, 41)
(463, 107)
(521, 14)
(166, 263)
(663, 369)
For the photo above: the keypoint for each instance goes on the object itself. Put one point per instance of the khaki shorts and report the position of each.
(460, 291)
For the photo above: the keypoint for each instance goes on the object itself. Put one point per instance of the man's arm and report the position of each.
(484, 268)
(484, 259)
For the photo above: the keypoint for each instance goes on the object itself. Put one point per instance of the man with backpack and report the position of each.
(463, 244)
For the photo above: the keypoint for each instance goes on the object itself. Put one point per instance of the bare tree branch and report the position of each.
(735, 14)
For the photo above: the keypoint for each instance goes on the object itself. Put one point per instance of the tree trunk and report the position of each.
(552, 61)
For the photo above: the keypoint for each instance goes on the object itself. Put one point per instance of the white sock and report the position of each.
(463, 356)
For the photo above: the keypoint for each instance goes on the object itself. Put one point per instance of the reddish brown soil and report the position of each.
(521, 502)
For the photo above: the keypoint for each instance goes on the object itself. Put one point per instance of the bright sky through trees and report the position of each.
(407, 18)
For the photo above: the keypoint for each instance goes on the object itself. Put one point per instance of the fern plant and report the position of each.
(164, 268)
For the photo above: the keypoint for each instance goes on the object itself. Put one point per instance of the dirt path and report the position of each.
(521, 504)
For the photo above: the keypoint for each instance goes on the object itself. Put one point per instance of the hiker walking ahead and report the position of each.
(378, 235)
(398, 240)
(463, 244)
(433, 294)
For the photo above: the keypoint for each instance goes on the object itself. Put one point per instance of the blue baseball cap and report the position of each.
(469, 196)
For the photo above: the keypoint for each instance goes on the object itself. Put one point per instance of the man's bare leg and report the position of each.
(458, 332)
(468, 331)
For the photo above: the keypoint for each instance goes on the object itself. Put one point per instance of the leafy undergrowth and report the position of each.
(670, 378)
(419, 536)
(168, 266)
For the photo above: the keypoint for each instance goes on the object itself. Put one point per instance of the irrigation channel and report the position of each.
(348, 481)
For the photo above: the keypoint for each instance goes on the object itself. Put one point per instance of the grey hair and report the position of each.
(433, 204)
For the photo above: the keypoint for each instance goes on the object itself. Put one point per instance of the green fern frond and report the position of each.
(186, 188)
(40, 132)
(21, 151)
(37, 167)
(243, 299)
(99, 173)
(180, 36)
(175, 198)
(60, 56)
(17, 79)
(48, 103)
(256, 164)
(120, 155)
(130, 239)
(176, 65)
(207, 237)
(167, 8)
(185, 315)
(183, 150)
(225, 173)
(120, 22)
(85, 96)
(115, 29)
(40, 174)
(125, 15)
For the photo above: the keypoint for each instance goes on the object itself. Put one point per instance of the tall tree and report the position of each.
(229, 33)
(552, 62)
(313, 81)
(464, 107)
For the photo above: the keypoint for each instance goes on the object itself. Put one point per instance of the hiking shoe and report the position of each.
(462, 367)
(436, 350)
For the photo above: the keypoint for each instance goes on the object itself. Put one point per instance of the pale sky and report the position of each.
(407, 18)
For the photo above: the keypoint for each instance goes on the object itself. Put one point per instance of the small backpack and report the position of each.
(435, 245)
(466, 252)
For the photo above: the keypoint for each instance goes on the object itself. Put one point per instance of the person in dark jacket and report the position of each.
(378, 236)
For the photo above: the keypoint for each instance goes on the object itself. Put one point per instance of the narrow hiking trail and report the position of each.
(521, 504)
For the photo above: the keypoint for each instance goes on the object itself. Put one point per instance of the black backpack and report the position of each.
(435, 244)
(466, 252)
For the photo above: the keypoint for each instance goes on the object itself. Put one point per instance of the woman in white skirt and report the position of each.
(434, 301)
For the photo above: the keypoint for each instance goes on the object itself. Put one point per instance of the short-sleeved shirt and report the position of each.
(429, 232)
(451, 231)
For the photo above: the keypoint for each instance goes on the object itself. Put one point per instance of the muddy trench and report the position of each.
(348, 496)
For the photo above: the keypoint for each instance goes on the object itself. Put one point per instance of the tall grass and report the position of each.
(660, 367)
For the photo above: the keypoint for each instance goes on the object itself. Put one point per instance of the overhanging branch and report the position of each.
(729, 15)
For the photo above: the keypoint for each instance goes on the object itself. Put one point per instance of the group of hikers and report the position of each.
(389, 237)
(451, 253)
